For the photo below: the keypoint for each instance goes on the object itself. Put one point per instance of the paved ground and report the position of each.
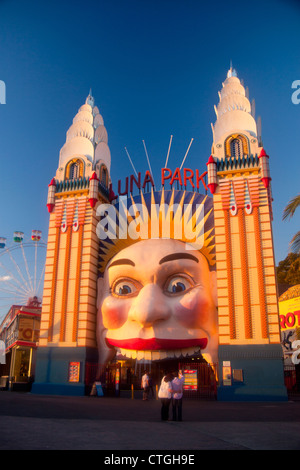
(109, 424)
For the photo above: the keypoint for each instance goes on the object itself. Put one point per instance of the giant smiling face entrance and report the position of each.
(146, 293)
(157, 294)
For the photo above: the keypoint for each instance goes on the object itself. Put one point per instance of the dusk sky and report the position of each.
(155, 69)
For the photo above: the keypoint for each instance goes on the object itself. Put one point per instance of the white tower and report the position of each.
(239, 179)
(69, 311)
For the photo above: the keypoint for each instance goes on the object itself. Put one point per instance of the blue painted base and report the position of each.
(262, 371)
(58, 389)
(52, 369)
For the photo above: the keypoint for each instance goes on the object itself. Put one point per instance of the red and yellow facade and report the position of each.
(69, 316)
(247, 293)
(248, 316)
(68, 321)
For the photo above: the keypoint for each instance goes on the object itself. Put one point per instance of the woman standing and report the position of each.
(165, 395)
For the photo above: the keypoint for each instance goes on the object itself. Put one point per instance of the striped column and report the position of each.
(253, 185)
(225, 189)
(70, 214)
(59, 207)
(81, 220)
(239, 192)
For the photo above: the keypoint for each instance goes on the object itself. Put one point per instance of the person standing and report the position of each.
(165, 395)
(145, 385)
(177, 387)
(150, 382)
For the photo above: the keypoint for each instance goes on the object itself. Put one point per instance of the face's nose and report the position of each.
(149, 306)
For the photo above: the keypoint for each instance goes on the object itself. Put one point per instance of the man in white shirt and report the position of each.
(177, 387)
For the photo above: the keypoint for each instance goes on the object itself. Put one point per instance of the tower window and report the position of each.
(104, 176)
(74, 169)
(236, 148)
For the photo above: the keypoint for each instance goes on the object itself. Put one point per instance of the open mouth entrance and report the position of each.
(122, 377)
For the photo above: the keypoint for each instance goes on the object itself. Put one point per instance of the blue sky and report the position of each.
(155, 69)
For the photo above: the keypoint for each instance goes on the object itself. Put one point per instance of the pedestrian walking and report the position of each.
(165, 395)
(177, 387)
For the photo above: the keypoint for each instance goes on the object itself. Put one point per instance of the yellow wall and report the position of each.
(70, 287)
(247, 295)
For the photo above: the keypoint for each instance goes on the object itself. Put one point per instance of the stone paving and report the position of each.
(39, 422)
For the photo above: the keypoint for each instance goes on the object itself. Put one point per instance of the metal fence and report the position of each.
(200, 380)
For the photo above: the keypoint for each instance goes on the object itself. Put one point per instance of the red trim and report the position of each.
(156, 344)
(266, 181)
(22, 343)
(92, 202)
(212, 187)
(29, 313)
(94, 176)
(211, 160)
(263, 153)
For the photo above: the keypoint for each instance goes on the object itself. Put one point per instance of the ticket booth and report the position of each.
(20, 333)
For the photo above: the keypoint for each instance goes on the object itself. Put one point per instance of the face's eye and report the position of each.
(124, 288)
(178, 285)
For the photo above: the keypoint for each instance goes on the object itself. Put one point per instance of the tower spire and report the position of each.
(234, 109)
(87, 136)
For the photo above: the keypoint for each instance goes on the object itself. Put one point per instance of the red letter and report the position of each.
(282, 321)
(163, 177)
(138, 183)
(188, 178)
(177, 177)
(297, 314)
(201, 178)
(148, 179)
(287, 319)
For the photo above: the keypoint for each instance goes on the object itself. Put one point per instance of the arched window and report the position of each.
(104, 176)
(236, 146)
(74, 169)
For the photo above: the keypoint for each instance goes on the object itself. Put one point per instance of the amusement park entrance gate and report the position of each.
(200, 380)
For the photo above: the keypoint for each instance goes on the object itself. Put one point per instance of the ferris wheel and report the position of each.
(22, 269)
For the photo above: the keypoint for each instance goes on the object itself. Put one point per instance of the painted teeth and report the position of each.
(158, 355)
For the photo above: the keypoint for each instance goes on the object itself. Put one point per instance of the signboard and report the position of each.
(190, 380)
(74, 371)
(26, 329)
(289, 313)
(2, 352)
(227, 377)
(29, 329)
(183, 177)
(12, 333)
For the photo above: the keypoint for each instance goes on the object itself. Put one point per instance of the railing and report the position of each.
(204, 381)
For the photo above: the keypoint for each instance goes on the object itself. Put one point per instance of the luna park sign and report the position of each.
(183, 177)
